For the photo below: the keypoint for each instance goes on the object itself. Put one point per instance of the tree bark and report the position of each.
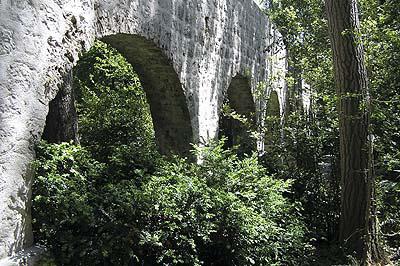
(358, 223)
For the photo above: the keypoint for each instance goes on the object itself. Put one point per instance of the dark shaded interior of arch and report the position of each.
(273, 105)
(240, 100)
(62, 121)
(163, 90)
(272, 122)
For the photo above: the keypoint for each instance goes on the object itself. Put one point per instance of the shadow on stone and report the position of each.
(239, 102)
(164, 92)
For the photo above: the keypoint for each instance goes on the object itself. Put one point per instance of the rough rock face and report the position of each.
(27, 257)
(186, 52)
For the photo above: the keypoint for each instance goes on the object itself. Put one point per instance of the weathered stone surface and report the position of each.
(27, 257)
(206, 43)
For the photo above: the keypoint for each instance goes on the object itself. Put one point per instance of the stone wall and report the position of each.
(205, 42)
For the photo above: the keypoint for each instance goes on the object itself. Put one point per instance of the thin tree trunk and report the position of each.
(358, 223)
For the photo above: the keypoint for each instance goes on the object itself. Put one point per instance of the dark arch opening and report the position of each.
(61, 121)
(238, 116)
(163, 89)
(273, 108)
(164, 93)
(272, 127)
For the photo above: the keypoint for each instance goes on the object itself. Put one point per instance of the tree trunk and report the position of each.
(358, 224)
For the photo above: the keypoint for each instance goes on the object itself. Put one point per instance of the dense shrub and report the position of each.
(226, 211)
(83, 218)
(63, 213)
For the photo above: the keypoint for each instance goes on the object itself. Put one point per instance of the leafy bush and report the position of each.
(306, 154)
(63, 214)
(80, 216)
(388, 199)
(226, 211)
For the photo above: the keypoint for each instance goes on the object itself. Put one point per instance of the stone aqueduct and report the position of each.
(187, 53)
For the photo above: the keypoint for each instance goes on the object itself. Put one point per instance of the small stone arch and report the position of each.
(273, 105)
(169, 111)
(272, 123)
(239, 100)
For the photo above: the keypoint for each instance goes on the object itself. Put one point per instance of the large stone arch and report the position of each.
(239, 99)
(163, 89)
(205, 41)
(164, 93)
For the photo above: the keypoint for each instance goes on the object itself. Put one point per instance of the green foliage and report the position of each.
(114, 117)
(226, 211)
(46, 260)
(381, 39)
(305, 155)
(118, 150)
(82, 221)
(238, 130)
(389, 211)
(63, 216)
(305, 145)
(304, 29)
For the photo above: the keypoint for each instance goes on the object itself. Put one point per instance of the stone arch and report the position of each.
(164, 93)
(238, 99)
(273, 105)
(272, 123)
